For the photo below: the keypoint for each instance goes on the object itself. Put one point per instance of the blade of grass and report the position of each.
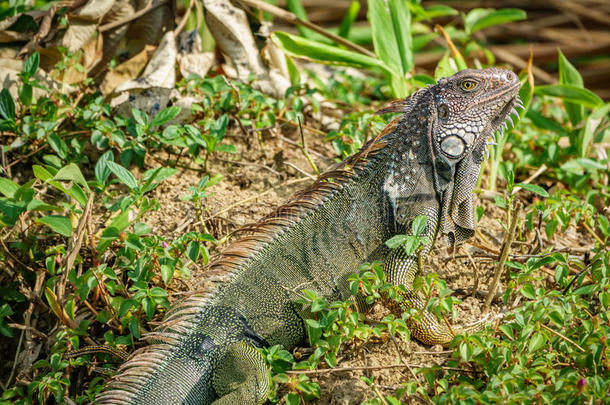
(304, 47)
(293, 19)
(348, 19)
(569, 75)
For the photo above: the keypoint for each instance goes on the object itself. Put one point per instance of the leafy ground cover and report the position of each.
(105, 220)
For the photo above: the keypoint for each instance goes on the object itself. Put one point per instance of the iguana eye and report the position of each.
(468, 85)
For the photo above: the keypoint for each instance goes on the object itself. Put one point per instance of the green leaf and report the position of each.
(226, 147)
(466, 350)
(348, 19)
(478, 19)
(41, 173)
(303, 47)
(570, 76)
(390, 25)
(57, 223)
(38, 205)
(440, 10)
(139, 116)
(71, 172)
(293, 71)
(30, 66)
(140, 228)
(11, 211)
(192, 251)
(533, 188)
(101, 168)
(396, 241)
(296, 7)
(578, 166)
(591, 126)
(123, 175)
(528, 291)
(401, 20)
(8, 187)
(536, 342)
(419, 225)
(7, 105)
(570, 93)
(507, 330)
(165, 116)
(25, 94)
(293, 399)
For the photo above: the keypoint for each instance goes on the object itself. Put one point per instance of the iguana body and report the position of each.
(425, 162)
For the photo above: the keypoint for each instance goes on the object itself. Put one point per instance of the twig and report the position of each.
(303, 172)
(313, 152)
(475, 286)
(249, 164)
(450, 44)
(304, 150)
(293, 19)
(562, 336)
(5, 167)
(363, 368)
(185, 18)
(10, 377)
(510, 236)
(134, 16)
(28, 328)
(311, 129)
(592, 232)
(376, 391)
(537, 173)
(402, 361)
(245, 200)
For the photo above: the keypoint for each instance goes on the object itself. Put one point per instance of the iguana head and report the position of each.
(470, 107)
(445, 130)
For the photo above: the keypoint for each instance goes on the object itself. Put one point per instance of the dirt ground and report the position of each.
(262, 177)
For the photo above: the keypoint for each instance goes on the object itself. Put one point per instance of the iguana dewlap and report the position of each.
(425, 162)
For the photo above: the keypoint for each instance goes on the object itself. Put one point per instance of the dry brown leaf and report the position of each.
(150, 92)
(190, 58)
(93, 52)
(7, 37)
(128, 70)
(229, 26)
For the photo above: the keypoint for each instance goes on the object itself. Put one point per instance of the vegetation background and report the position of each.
(115, 191)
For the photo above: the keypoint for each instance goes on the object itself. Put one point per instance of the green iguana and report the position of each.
(425, 162)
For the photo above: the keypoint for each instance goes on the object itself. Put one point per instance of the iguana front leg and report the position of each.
(401, 268)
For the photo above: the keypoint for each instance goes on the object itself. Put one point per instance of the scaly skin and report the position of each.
(425, 162)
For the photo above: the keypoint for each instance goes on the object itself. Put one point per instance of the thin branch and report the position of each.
(293, 19)
(562, 336)
(305, 152)
(364, 368)
(185, 18)
(245, 200)
(510, 236)
(537, 173)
